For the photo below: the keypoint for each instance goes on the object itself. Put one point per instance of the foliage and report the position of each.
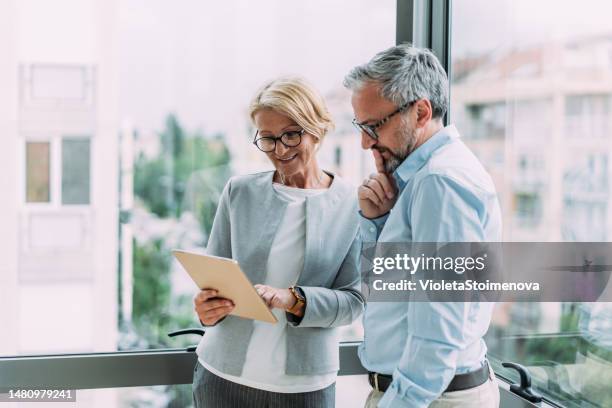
(184, 160)
(151, 298)
(187, 174)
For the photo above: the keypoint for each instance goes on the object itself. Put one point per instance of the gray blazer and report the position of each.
(248, 216)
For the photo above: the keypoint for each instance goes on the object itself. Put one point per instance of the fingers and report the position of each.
(386, 185)
(377, 186)
(203, 295)
(366, 193)
(378, 189)
(378, 159)
(266, 293)
(214, 304)
(268, 297)
(213, 316)
(212, 310)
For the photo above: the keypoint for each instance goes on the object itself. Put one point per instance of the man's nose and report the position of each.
(366, 141)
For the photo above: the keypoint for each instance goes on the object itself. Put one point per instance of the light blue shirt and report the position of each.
(445, 195)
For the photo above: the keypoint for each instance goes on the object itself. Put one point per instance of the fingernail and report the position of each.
(390, 195)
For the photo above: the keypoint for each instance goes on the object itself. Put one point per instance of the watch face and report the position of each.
(299, 294)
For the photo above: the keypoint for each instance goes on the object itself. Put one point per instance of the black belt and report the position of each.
(459, 382)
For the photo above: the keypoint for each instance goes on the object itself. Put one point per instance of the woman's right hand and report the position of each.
(210, 308)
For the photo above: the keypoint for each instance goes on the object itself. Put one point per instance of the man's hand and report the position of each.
(211, 309)
(276, 298)
(378, 193)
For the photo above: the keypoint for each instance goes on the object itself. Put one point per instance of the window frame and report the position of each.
(149, 368)
(425, 23)
(55, 140)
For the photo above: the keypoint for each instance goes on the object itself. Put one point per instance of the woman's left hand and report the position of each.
(275, 297)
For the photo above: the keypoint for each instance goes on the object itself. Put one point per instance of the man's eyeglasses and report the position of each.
(370, 130)
(267, 144)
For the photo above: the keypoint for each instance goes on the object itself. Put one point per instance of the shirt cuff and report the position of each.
(393, 399)
(370, 228)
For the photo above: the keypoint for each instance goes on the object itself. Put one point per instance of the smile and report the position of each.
(287, 159)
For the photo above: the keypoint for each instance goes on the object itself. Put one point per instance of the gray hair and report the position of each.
(405, 73)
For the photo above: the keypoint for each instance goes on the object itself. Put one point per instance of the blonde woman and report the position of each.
(294, 232)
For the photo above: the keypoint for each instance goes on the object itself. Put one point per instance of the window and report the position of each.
(129, 145)
(548, 68)
(75, 170)
(38, 172)
(70, 157)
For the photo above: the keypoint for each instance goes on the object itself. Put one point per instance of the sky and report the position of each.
(205, 63)
(486, 25)
(205, 60)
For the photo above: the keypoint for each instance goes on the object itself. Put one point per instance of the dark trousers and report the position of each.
(211, 391)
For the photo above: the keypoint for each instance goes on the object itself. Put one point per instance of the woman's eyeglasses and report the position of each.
(267, 144)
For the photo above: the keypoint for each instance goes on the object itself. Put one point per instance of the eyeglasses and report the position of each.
(267, 144)
(370, 130)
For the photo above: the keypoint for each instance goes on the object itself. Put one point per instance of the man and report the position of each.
(428, 187)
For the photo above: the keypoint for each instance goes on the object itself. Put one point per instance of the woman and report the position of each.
(294, 232)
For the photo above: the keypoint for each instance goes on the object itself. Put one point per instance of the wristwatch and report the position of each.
(300, 300)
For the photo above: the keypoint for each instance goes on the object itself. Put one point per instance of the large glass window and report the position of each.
(191, 131)
(531, 94)
(144, 106)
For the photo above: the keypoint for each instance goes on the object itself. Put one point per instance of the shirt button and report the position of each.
(372, 229)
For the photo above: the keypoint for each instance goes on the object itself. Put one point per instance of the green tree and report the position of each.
(151, 297)
(161, 182)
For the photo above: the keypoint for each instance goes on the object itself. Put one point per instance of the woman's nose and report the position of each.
(280, 149)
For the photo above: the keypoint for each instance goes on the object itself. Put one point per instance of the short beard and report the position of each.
(408, 139)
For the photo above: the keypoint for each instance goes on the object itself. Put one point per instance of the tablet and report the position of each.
(229, 280)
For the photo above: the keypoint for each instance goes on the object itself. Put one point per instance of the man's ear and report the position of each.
(424, 112)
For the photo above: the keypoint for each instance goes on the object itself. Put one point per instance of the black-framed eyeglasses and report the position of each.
(267, 144)
(370, 130)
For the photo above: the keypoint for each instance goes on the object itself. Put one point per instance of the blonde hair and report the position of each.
(297, 99)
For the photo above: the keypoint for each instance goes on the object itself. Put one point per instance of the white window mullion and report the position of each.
(56, 171)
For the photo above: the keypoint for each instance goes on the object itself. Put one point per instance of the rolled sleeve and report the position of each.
(370, 228)
(339, 305)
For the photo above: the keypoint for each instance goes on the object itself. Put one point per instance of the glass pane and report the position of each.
(75, 171)
(173, 84)
(188, 144)
(532, 98)
(38, 172)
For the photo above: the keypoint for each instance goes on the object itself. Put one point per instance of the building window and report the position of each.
(75, 170)
(69, 158)
(38, 171)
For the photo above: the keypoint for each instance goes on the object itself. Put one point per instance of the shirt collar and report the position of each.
(422, 154)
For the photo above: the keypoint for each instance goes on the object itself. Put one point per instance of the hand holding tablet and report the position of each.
(229, 283)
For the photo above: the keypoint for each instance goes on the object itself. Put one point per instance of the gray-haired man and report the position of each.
(428, 187)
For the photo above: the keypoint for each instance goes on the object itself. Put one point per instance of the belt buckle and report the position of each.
(376, 382)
